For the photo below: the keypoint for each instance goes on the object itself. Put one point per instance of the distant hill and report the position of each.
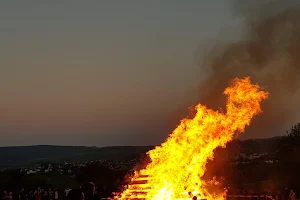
(24, 156)
(267, 145)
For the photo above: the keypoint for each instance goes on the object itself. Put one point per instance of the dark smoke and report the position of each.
(269, 52)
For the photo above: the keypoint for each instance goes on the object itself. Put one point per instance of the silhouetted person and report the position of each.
(10, 196)
(38, 195)
(45, 195)
(30, 195)
(286, 194)
(50, 194)
(67, 191)
(89, 191)
(278, 196)
(292, 195)
(56, 196)
(22, 195)
(75, 194)
(5, 195)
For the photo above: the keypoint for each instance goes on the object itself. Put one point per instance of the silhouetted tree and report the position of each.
(295, 131)
(289, 145)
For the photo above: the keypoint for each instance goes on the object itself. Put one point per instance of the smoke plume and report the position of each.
(270, 53)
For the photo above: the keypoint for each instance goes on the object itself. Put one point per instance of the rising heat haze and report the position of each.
(177, 166)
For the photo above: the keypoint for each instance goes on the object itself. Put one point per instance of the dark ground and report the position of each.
(251, 166)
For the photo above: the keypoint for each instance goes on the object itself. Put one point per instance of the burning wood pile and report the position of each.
(138, 188)
(178, 165)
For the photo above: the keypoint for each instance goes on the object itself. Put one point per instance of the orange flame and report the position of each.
(178, 165)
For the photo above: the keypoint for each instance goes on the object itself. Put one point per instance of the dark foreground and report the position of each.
(249, 167)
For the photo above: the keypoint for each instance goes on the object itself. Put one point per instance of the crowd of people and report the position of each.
(284, 194)
(86, 192)
(38, 194)
(288, 194)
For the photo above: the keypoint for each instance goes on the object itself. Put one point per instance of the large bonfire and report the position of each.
(177, 166)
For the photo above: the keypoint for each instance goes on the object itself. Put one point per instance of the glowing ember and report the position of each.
(178, 165)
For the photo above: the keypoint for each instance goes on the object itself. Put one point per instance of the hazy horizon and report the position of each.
(138, 145)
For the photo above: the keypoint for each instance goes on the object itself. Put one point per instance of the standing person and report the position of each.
(45, 195)
(286, 194)
(55, 194)
(67, 191)
(278, 196)
(292, 195)
(50, 194)
(30, 195)
(10, 196)
(89, 191)
(76, 194)
(38, 190)
(22, 195)
(38, 195)
(5, 195)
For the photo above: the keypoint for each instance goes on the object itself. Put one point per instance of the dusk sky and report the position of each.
(102, 73)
